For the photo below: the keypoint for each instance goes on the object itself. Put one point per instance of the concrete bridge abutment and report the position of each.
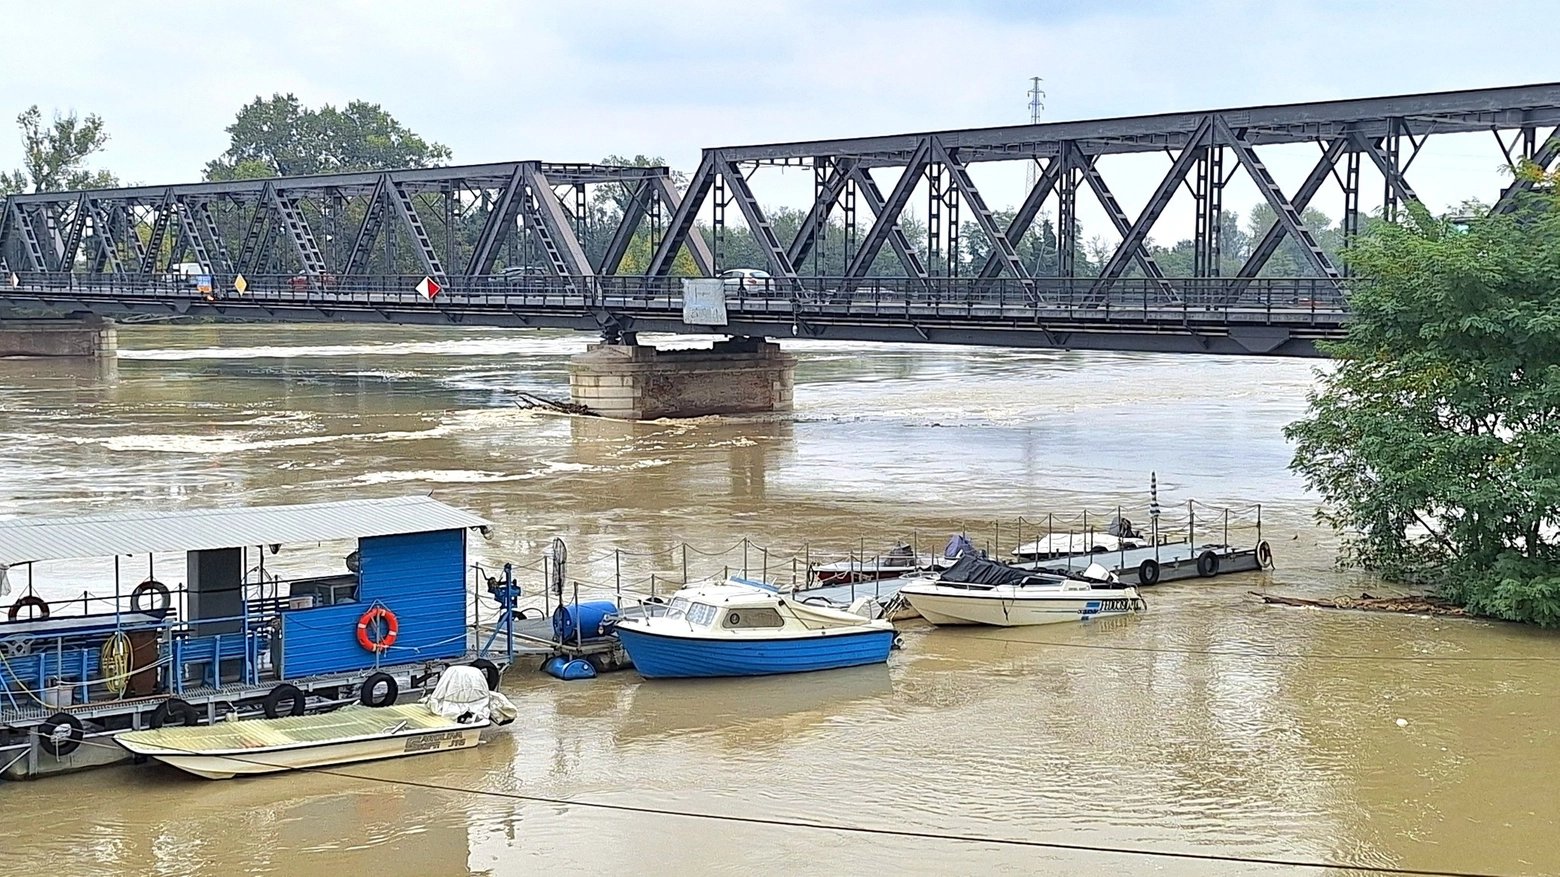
(640, 382)
(89, 338)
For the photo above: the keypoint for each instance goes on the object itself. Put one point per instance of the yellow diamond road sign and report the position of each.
(240, 284)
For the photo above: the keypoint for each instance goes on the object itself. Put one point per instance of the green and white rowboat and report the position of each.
(350, 734)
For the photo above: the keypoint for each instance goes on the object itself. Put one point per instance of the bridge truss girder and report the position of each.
(1388, 133)
(472, 219)
(477, 220)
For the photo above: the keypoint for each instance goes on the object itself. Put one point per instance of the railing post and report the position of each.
(1121, 543)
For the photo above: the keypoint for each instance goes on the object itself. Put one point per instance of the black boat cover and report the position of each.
(973, 570)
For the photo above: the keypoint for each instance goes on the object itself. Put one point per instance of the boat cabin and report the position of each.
(740, 606)
(743, 606)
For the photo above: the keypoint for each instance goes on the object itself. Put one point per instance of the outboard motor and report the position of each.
(1098, 573)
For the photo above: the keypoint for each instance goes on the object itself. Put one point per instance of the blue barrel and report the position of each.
(569, 670)
(585, 619)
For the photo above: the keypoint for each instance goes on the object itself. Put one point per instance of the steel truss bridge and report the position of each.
(518, 243)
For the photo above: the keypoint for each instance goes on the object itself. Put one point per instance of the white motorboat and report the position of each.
(979, 591)
(892, 564)
(453, 716)
(1118, 536)
(898, 562)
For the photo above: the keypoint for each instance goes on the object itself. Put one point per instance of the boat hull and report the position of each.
(978, 607)
(260, 746)
(663, 656)
(221, 767)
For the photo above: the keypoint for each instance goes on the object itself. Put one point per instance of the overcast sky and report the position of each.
(577, 80)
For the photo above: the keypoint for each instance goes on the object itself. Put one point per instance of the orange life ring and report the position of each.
(377, 613)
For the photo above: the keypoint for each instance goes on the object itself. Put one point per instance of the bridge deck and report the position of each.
(1265, 317)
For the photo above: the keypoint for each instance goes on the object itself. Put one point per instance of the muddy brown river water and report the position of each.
(1212, 725)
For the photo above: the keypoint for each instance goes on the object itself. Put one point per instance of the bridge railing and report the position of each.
(1262, 299)
(1305, 298)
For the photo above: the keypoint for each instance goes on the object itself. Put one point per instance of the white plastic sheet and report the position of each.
(463, 691)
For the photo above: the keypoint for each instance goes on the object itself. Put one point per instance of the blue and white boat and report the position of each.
(744, 628)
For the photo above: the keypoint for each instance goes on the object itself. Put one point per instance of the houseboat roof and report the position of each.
(34, 539)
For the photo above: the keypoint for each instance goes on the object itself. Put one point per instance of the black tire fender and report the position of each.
(32, 600)
(50, 738)
(284, 693)
(174, 709)
(367, 696)
(490, 671)
(1148, 572)
(1207, 564)
(163, 599)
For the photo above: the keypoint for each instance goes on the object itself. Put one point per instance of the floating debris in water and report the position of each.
(531, 401)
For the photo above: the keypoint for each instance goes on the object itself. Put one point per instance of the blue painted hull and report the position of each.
(656, 656)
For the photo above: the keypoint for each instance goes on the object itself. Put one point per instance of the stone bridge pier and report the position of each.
(639, 382)
(89, 337)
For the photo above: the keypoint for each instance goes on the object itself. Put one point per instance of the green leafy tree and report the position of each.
(282, 137)
(55, 156)
(1289, 260)
(1180, 260)
(1036, 249)
(740, 249)
(1435, 442)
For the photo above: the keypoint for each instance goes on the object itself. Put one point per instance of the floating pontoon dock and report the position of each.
(235, 639)
(1169, 562)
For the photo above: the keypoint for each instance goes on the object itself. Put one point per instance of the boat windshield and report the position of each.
(677, 608)
(701, 614)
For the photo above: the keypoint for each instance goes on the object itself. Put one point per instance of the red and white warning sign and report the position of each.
(428, 288)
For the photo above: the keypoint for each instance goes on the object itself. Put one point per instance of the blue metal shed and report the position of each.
(420, 577)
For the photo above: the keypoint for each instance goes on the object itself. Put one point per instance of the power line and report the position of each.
(769, 822)
(925, 835)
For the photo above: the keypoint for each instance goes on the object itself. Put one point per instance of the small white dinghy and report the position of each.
(979, 591)
(453, 716)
